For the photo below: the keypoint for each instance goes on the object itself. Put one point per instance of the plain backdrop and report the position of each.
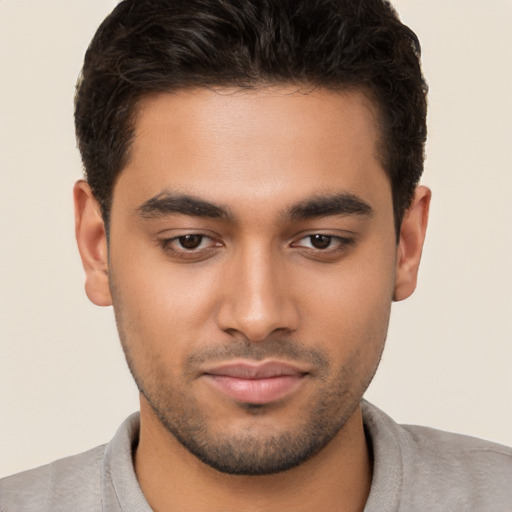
(64, 385)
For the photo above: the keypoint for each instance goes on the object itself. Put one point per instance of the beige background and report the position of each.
(64, 386)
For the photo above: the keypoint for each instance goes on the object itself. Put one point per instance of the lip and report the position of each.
(256, 383)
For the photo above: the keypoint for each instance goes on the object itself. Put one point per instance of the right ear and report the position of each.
(92, 244)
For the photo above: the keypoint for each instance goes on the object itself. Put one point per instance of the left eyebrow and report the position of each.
(327, 205)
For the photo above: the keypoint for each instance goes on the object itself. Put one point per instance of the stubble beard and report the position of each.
(251, 453)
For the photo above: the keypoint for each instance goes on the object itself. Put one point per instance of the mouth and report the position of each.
(256, 383)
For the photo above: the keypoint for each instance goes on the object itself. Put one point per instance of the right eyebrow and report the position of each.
(167, 203)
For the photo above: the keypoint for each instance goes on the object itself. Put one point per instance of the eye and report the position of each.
(190, 241)
(190, 245)
(321, 243)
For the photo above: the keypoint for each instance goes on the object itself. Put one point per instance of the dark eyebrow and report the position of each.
(326, 205)
(168, 204)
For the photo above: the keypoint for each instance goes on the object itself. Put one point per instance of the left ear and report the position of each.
(410, 245)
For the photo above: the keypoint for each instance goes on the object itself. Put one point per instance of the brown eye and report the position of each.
(190, 241)
(320, 241)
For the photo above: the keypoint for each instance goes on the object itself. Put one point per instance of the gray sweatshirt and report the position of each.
(415, 469)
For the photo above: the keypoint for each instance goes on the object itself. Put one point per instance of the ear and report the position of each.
(410, 245)
(92, 244)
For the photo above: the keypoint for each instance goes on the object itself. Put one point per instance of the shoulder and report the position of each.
(466, 470)
(56, 486)
(100, 479)
(438, 443)
(437, 470)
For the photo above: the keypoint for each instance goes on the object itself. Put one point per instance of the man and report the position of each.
(251, 210)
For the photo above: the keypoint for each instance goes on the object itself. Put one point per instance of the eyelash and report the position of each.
(341, 244)
(183, 252)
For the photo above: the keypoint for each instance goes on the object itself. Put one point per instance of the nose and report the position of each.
(257, 299)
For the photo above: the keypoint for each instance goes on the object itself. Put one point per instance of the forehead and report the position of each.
(267, 145)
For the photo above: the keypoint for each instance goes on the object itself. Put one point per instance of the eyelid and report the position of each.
(346, 239)
(166, 243)
(177, 238)
(338, 246)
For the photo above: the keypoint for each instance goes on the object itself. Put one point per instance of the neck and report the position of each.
(338, 478)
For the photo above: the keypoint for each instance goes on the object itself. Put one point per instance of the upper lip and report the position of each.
(255, 370)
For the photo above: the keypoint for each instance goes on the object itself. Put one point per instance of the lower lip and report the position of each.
(256, 391)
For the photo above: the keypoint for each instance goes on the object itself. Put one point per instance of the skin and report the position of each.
(255, 289)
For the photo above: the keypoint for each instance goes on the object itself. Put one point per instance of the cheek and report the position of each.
(349, 306)
(161, 305)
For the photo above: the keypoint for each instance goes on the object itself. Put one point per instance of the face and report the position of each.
(252, 265)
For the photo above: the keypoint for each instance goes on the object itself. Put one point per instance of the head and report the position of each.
(254, 164)
(148, 47)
